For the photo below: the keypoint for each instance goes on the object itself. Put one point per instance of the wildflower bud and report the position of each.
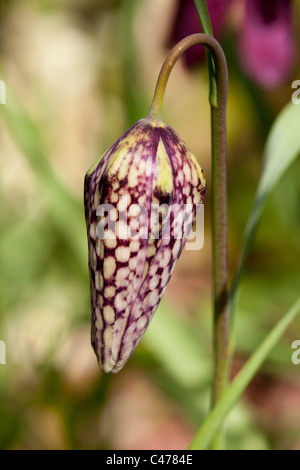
(132, 254)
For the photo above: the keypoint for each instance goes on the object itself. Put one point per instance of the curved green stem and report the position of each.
(216, 50)
(219, 195)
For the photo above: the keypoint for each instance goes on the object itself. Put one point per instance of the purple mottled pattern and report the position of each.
(267, 44)
(128, 276)
(187, 22)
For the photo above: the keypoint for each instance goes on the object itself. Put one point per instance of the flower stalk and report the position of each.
(221, 322)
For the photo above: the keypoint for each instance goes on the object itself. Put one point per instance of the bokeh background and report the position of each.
(78, 74)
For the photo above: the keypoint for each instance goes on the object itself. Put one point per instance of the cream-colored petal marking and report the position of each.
(109, 267)
(163, 170)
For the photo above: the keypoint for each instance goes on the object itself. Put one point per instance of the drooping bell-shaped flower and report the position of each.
(132, 254)
(267, 43)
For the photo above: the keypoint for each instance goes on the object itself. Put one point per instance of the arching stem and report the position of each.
(219, 196)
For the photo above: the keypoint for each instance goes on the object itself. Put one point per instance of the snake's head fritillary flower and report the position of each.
(267, 43)
(131, 258)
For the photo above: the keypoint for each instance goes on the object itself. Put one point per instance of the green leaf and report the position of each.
(207, 29)
(282, 148)
(204, 16)
(212, 423)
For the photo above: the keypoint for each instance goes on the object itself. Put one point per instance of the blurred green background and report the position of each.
(78, 74)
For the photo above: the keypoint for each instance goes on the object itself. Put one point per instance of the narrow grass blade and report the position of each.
(207, 29)
(214, 420)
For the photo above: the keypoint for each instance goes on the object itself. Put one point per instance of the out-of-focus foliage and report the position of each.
(77, 74)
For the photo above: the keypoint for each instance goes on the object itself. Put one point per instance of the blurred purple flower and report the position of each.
(266, 41)
(187, 22)
(267, 44)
